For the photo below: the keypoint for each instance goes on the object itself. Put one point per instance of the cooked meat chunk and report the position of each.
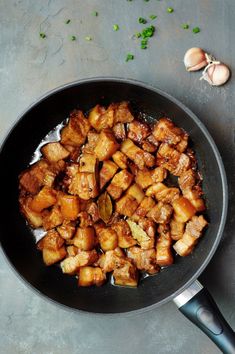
(162, 193)
(44, 199)
(52, 218)
(136, 192)
(161, 213)
(165, 131)
(124, 234)
(91, 276)
(72, 250)
(66, 230)
(140, 157)
(75, 132)
(193, 231)
(174, 161)
(143, 233)
(145, 206)
(69, 206)
(138, 131)
(144, 259)
(107, 172)
(194, 196)
(88, 163)
(54, 152)
(85, 185)
(34, 219)
(72, 264)
(52, 241)
(106, 145)
(123, 113)
(126, 274)
(92, 210)
(164, 255)
(183, 144)
(85, 219)
(183, 208)
(149, 147)
(101, 118)
(176, 229)
(187, 180)
(53, 256)
(111, 260)
(126, 205)
(120, 159)
(119, 131)
(92, 139)
(84, 238)
(108, 239)
(120, 182)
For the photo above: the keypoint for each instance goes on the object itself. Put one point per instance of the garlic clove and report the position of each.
(216, 74)
(195, 59)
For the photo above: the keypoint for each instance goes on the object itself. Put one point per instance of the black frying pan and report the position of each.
(173, 283)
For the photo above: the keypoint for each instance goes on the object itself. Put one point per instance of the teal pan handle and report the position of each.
(199, 307)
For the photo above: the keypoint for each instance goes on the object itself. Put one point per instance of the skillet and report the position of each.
(177, 282)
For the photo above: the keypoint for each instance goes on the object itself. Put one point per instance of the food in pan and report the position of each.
(105, 197)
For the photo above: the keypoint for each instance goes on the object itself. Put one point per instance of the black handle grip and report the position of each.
(203, 311)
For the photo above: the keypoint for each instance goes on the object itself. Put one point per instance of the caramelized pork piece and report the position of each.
(52, 247)
(164, 255)
(34, 219)
(140, 157)
(161, 213)
(166, 132)
(162, 193)
(183, 208)
(176, 229)
(93, 211)
(111, 260)
(145, 206)
(126, 274)
(146, 178)
(66, 230)
(84, 238)
(124, 234)
(194, 196)
(147, 146)
(128, 204)
(106, 145)
(85, 185)
(136, 192)
(138, 131)
(52, 218)
(101, 118)
(119, 131)
(71, 265)
(72, 250)
(53, 256)
(120, 159)
(88, 163)
(75, 132)
(143, 233)
(183, 144)
(69, 205)
(44, 199)
(120, 182)
(193, 232)
(89, 276)
(174, 161)
(108, 239)
(144, 259)
(54, 152)
(74, 152)
(85, 219)
(187, 180)
(107, 172)
(123, 113)
(92, 139)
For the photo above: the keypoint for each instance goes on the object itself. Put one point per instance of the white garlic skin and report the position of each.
(217, 74)
(195, 59)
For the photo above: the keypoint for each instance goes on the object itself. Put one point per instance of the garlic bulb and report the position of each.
(216, 73)
(195, 59)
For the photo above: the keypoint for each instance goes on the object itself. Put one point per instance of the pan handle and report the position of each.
(199, 307)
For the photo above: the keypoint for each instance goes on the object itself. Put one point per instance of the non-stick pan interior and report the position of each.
(18, 242)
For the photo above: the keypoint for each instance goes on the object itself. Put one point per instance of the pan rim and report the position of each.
(219, 161)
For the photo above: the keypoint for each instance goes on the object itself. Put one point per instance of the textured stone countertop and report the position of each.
(30, 66)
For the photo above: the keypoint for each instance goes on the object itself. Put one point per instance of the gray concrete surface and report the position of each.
(30, 66)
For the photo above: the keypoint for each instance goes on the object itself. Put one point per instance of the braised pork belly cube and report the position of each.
(84, 238)
(126, 274)
(138, 131)
(161, 213)
(164, 255)
(194, 196)
(162, 193)
(92, 139)
(143, 259)
(183, 144)
(144, 239)
(66, 230)
(165, 131)
(107, 172)
(119, 131)
(106, 145)
(100, 118)
(124, 234)
(89, 276)
(53, 256)
(145, 178)
(174, 161)
(120, 182)
(193, 232)
(71, 265)
(84, 184)
(126, 205)
(32, 179)
(176, 229)
(75, 132)
(120, 159)
(108, 239)
(187, 180)
(44, 199)
(52, 218)
(147, 146)
(123, 113)
(93, 211)
(74, 152)
(34, 219)
(110, 260)
(69, 206)
(88, 163)
(54, 152)
(52, 241)
(183, 208)
(145, 206)
(72, 250)
(85, 219)
(136, 192)
(140, 157)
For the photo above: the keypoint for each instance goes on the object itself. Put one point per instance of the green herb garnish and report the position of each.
(88, 38)
(196, 30)
(185, 26)
(129, 57)
(144, 43)
(142, 20)
(95, 13)
(170, 10)
(67, 21)
(73, 38)
(152, 17)
(148, 32)
(42, 35)
(115, 27)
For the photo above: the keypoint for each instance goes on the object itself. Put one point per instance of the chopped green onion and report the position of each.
(170, 10)
(142, 20)
(152, 17)
(67, 21)
(73, 38)
(42, 35)
(115, 27)
(148, 32)
(185, 26)
(144, 43)
(95, 13)
(88, 38)
(138, 35)
(196, 30)
(129, 57)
